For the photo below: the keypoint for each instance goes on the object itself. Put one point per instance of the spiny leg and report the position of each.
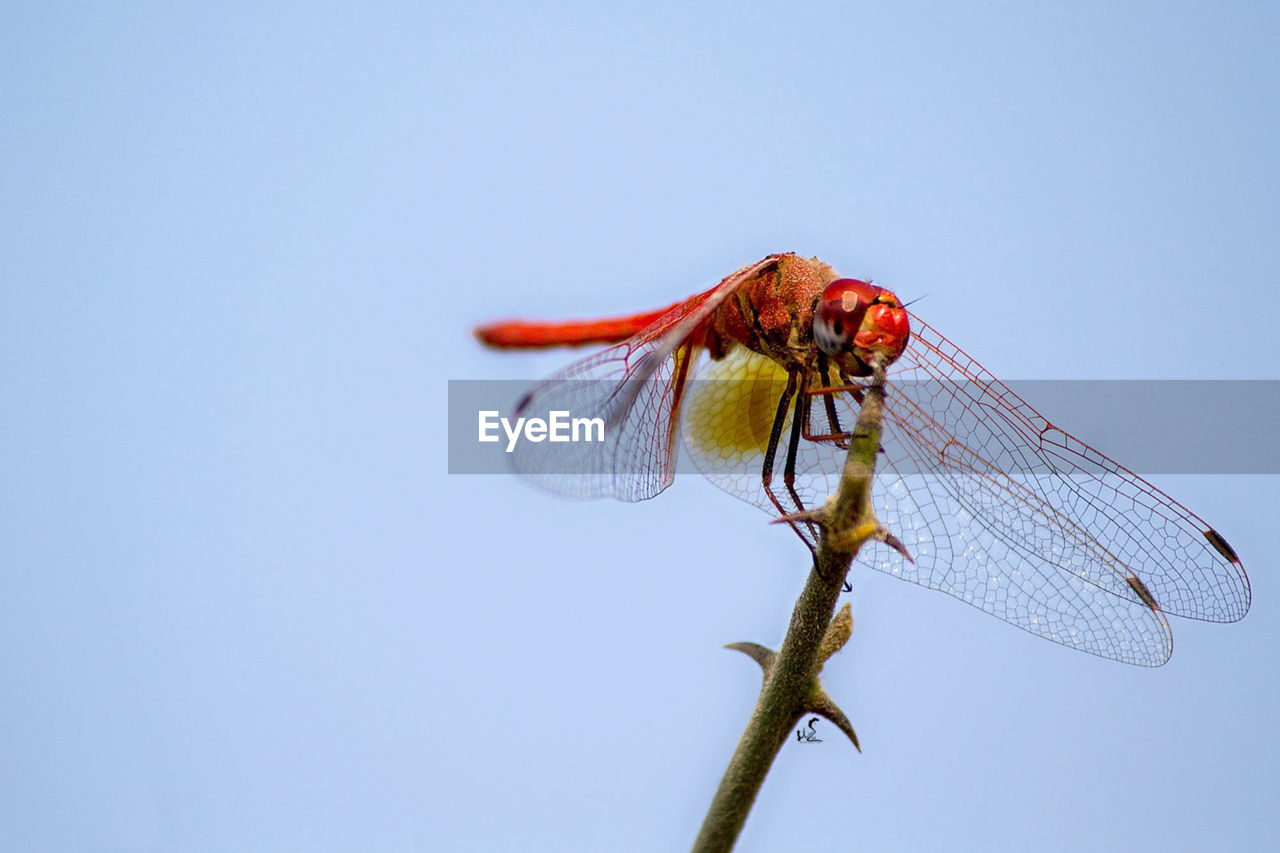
(775, 433)
(829, 400)
(799, 425)
(799, 429)
(829, 391)
(771, 451)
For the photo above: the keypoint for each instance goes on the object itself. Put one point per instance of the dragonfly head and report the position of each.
(855, 319)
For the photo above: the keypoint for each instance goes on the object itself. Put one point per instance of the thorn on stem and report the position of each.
(823, 706)
(883, 535)
(758, 653)
(820, 515)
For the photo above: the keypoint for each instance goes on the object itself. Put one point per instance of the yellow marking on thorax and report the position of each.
(730, 410)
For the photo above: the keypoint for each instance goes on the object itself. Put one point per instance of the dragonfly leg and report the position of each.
(839, 435)
(827, 390)
(771, 453)
(799, 428)
(799, 423)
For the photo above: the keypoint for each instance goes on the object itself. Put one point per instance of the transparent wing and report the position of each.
(729, 414)
(1050, 495)
(962, 548)
(633, 400)
(998, 508)
(634, 389)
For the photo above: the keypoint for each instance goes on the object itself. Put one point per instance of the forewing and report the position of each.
(998, 508)
(1050, 497)
(635, 388)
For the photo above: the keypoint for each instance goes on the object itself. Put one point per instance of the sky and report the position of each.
(244, 606)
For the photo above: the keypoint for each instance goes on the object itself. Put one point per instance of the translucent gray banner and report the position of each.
(1149, 427)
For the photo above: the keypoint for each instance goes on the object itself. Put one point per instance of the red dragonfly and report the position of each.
(997, 506)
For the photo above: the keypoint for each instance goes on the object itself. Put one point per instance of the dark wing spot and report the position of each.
(1141, 589)
(1221, 545)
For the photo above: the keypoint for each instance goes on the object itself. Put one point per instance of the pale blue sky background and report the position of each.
(242, 606)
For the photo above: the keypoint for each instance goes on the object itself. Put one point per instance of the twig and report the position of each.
(791, 688)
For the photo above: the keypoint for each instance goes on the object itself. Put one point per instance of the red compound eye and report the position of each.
(840, 313)
(855, 320)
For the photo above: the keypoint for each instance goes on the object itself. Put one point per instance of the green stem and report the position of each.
(783, 698)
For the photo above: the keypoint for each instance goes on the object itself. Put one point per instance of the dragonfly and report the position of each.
(761, 378)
